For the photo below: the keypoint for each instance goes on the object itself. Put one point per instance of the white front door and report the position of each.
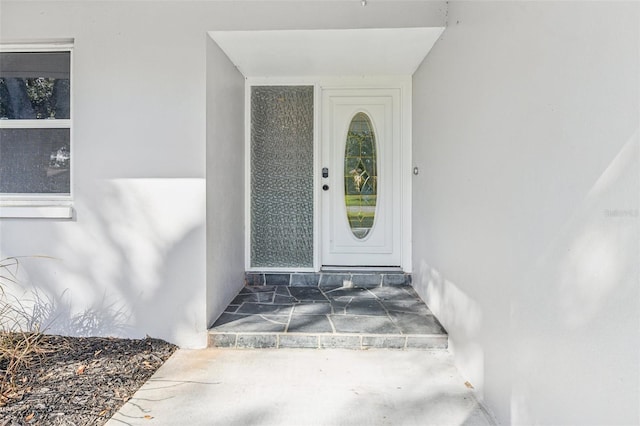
(361, 177)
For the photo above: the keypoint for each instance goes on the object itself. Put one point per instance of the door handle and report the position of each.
(325, 187)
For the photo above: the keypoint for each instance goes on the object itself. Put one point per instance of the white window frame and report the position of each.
(42, 205)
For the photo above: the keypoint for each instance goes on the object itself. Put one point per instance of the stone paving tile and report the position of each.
(392, 317)
(239, 322)
(395, 279)
(427, 342)
(221, 340)
(258, 289)
(384, 342)
(394, 293)
(365, 307)
(309, 324)
(366, 280)
(305, 280)
(254, 279)
(277, 279)
(363, 324)
(264, 296)
(307, 294)
(340, 342)
(318, 308)
(334, 280)
(279, 299)
(257, 341)
(410, 307)
(345, 293)
(265, 309)
(298, 341)
(339, 307)
(232, 308)
(417, 324)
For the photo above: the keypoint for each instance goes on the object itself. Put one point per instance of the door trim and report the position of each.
(404, 83)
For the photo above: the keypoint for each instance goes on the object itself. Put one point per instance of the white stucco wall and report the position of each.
(152, 247)
(526, 222)
(225, 181)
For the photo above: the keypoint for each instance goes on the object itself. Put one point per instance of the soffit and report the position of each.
(344, 52)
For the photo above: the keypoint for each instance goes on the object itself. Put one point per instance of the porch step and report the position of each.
(335, 278)
(332, 316)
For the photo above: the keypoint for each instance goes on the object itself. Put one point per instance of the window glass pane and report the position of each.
(35, 85)
(34, 161)
(360, 175)
(282, 176)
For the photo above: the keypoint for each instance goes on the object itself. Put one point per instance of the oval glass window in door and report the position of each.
(360, 175)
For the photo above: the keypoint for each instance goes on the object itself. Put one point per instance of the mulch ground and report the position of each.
(80, 381)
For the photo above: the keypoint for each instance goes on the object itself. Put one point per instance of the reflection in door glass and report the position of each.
(360, 175)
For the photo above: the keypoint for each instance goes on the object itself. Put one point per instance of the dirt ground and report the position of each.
(79, 381)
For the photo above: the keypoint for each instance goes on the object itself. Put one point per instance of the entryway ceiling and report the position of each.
(347, 52)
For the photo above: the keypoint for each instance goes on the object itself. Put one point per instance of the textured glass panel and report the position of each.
(360, 175)
(34, 161)
(35, 85)
(282, 176)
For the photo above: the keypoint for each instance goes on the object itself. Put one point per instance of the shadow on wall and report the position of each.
(32, 309)
(461, 316)
(577, 310)
(573, 313)
(131, 264)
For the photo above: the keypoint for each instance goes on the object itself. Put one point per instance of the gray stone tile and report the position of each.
(395, 279)
(257, 341)
(319, 308)
(310, 294)
(343, 294)
(365, 307)
(222, 340)
(407, 306)
(250, 323)
(253, 279)
(284, 299)
(232, 308)
(283, 296)
(309, 324)
(334, 280)
(340, 342)
(305, 280)
(363, 324)
(409, 290)
(277, 279)
(427, 342)
(298, 341)
(366, 280)
(257, 289)
(264, 309)
(382, 342)
(254, 294)
(417, 324)
(393, 293)
(339, 307)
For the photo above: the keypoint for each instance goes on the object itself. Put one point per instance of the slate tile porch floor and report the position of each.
(278, 316)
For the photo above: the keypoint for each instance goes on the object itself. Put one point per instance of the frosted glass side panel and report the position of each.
(282, 176)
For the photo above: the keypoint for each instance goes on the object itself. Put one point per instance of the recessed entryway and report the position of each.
(307, 206)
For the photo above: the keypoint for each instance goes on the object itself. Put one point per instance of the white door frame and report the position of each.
(324, 83)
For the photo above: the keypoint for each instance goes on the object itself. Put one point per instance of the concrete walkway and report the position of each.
(301, 387)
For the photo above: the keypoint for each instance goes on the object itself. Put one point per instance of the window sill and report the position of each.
(36, 212)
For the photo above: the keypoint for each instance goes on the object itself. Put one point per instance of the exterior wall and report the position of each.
(151, 247)
(225, 181)
(526, 223)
